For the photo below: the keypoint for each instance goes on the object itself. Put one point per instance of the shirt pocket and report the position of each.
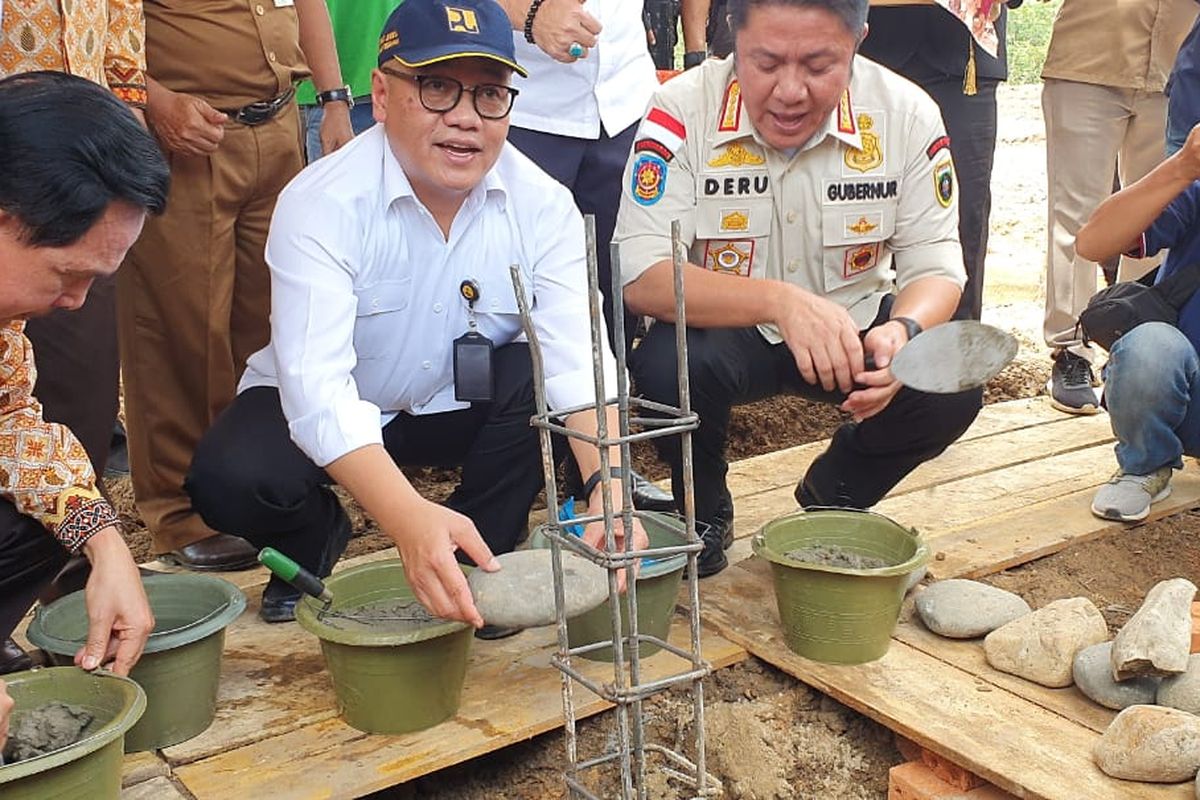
(854, 240)
(378, 321)
(732, 235)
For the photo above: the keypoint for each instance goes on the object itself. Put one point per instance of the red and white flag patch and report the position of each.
(663, 128)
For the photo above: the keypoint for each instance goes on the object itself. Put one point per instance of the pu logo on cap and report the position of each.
(462, 20)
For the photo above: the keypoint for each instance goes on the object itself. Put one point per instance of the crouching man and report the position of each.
(395, 334)
(816, 196)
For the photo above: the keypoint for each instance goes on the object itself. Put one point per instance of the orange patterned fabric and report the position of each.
(101, 40)
(44, 470)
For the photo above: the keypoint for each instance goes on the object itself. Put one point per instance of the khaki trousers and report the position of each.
(194, 303)
(1089, 130)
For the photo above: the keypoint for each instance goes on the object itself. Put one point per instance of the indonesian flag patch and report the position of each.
(663, 129)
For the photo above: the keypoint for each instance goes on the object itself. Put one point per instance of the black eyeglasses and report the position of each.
(440, 94)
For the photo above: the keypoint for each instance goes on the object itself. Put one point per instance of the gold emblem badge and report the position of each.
(871, 154)
(736, 155)
(734, 257)
(862, 227)
(737, 220)
(462, 20)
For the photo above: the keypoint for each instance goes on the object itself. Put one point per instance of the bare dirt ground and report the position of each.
(767, 735)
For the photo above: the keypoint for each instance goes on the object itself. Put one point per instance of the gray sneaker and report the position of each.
(1127, 498)
(1070, 386)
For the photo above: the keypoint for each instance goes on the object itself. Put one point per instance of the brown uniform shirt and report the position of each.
(228, 52)
(1129, 44)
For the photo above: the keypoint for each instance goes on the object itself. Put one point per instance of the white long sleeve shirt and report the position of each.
(612, 85)
(365, 301)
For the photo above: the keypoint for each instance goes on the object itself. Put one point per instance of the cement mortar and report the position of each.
(45, 729)
(382, 616)
(831, 555)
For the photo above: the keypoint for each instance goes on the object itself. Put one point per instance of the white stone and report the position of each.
(1150, 743)
(962, 609)
(521, 593)
(1041, 646)
(1156, 640)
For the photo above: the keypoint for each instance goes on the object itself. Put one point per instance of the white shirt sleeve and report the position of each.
(560, 311)
(311, 255)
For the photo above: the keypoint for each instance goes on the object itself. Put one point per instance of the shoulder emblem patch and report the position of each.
(936, 146)
(653, 146)
(649, 179)
(737, 155)
(943, 182)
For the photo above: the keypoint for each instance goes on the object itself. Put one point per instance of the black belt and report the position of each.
(259, 112)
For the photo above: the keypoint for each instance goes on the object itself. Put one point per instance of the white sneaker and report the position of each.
(1127, 498)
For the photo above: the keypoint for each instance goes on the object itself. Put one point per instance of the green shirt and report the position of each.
(356, 27)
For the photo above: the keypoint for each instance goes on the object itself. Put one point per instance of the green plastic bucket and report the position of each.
(657, 590)
(388, 681)
(839, 615)
(180, 668)
(90, 769)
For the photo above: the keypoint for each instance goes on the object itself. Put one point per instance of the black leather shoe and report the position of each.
(712, 558)
(279, 597)
(648, 497)
(489, 632)
(220, 551)
(13, 658)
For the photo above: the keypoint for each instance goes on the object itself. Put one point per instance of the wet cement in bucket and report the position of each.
(832, 555)
(392, 616)
(45, 729)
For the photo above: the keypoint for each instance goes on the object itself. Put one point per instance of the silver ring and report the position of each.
(575, 50)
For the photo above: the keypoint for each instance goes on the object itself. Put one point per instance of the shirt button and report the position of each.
(271, 57)
(259, 10)
(426, 365)
(437, 308)
(791, 216)
(793, 265)
(375, 302)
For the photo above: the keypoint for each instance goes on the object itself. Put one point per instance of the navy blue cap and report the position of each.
(423, 32)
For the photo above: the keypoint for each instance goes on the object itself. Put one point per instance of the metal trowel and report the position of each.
(953, 357)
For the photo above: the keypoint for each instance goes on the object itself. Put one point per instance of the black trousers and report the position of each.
(728, 366)
(592, 169)
(249, 479)
(971, 122)
(76, 357)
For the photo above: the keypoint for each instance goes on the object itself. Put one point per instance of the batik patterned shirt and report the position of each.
(44, 470)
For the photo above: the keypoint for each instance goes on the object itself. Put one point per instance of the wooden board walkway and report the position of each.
(1017, 486)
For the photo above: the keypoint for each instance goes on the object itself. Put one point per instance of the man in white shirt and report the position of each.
(816, 196)
(395, 330)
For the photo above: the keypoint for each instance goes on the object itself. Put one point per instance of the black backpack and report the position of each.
(1116, 310)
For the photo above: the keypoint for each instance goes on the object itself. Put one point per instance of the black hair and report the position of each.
(852, 13)
(69, 148)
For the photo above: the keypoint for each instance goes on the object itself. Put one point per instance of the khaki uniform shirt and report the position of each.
(868, 204)
(1130, 44)
(228, 52)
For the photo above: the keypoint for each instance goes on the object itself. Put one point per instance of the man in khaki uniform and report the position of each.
(1105, 108)
(816, 196)
(194, 294)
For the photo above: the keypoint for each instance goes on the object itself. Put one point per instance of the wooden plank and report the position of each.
(1004, 541)
(141, 767)
(1017, 745)
(154, 789)
(783, 468)
(339, 761)
(944, 502)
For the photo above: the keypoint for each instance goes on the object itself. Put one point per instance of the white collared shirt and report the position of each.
(612, 85)
(365, 299)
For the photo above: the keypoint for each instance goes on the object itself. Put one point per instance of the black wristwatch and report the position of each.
(911, 325)
(694, 58)
(589, 486)
(341, 93)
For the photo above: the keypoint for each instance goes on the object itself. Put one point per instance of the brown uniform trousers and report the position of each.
(195, 298)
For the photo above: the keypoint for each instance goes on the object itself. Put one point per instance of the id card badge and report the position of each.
(473, 378)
